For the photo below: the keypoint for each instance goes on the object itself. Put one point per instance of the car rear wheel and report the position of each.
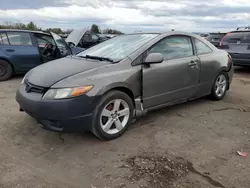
(113, 115)
(6, 70)
(220, 86)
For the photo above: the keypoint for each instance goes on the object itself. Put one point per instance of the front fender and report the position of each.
(112, 86)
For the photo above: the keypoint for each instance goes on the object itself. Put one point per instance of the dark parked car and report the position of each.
(104, 87)
(237, 44)
(215, 38)
(84, 38)
(203, 35)
(21, 50)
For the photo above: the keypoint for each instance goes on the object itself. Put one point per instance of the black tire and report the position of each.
(213, 94)
(105, 100)
(6, 70)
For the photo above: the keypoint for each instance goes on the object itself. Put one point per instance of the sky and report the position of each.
(130, 15)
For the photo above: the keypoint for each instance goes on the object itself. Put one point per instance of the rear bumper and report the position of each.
(241, 62)
(67, 115)
(240, 59)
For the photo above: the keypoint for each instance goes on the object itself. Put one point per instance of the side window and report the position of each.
(174, 47)
(42, 40)
(4, 39)
(19, 38)
(201, 47)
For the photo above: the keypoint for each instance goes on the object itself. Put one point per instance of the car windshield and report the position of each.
(119, 47)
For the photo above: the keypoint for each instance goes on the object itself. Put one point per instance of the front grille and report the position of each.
(34, 88)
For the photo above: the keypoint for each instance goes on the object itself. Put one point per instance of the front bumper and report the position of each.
(67, 115)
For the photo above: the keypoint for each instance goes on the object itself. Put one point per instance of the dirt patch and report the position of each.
(157, 171)
(162, 171)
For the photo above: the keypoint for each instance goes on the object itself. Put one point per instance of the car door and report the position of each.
(174, 79)
(21, 51)
(61, 45)
(42, 41)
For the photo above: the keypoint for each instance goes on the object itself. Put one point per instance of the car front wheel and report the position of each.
(112, 115)
(220, 86)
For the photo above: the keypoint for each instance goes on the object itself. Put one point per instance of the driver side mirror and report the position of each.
(154, 58)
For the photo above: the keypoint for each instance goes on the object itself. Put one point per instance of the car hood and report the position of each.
(76, 35)
(50, 73)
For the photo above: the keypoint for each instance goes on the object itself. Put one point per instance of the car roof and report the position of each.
(161, 36)
(26, 31)
(217, 33)
(165, 33)
(240, 31)
(168, 33)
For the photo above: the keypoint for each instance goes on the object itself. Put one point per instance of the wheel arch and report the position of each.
(222, 69)
(127, 91)
(121, 88)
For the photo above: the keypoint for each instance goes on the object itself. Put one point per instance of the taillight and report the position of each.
(230, 62)
(222, 45)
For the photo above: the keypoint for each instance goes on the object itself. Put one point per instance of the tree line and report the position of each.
(32, 26)
(96, 29)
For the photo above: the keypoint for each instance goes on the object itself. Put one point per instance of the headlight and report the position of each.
(22, 82)
(66, 92)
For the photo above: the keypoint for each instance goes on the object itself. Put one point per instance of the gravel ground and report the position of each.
(192, 145)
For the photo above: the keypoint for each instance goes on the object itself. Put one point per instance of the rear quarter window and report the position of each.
(201, 47)
(3, 39)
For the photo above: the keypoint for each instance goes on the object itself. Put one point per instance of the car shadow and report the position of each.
(30, 133)
(147, 120)
(17, 76)
(242, 70)
(168, 111)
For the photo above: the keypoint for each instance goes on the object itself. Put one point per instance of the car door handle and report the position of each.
(9, 50)
(193, 63)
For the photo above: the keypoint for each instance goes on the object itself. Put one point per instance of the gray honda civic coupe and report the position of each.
(105, 87)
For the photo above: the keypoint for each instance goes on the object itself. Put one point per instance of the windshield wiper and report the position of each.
(98, 58)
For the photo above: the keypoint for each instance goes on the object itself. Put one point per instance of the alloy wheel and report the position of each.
(220, 85)
(114, 116)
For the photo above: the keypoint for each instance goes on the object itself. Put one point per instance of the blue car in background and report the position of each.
(22, 50)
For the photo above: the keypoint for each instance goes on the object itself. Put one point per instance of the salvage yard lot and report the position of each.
(192, 145)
